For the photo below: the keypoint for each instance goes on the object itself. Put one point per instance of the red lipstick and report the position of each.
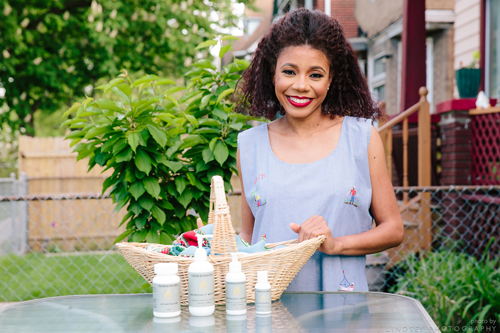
(304, 101)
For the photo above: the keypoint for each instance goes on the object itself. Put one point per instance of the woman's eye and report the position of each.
(316, 75)
(288, 72)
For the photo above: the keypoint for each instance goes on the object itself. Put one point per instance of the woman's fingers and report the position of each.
(199, 222)
(312, 227)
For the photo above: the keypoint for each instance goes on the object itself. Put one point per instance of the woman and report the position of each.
(295, 171)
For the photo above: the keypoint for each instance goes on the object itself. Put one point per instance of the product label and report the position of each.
(263, 300)
(166, 297)
(236, 296)
(201, 289)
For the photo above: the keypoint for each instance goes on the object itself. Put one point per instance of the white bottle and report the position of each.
(166, 291)
(236, 288)
(201, 283)
(262, 294)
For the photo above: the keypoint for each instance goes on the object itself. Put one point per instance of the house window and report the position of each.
(377, 75)
(492, 59)
(379, 93)
(251, 24)
(379, 66)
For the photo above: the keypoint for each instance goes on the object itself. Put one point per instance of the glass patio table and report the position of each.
(294, 312)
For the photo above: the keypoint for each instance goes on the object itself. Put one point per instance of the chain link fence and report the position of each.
(55, 245)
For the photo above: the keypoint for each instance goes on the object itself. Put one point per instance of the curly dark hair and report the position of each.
(348, 94)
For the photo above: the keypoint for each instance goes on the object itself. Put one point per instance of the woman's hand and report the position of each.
(313, 227)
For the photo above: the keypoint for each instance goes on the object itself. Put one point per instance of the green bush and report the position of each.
(455, 288)
(163, 150)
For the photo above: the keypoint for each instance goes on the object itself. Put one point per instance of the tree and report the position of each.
(52, 50)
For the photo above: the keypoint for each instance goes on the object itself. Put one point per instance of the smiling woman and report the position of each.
(319, 169)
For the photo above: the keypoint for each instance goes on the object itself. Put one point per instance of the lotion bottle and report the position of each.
(166, 291)
(201, 283)
(236, 288)
(262, 294)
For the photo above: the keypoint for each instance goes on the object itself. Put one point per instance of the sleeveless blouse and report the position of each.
(336, 187)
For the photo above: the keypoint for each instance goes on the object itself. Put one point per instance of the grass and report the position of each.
(36, 275)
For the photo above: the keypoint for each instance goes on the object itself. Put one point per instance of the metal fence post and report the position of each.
(23, 215)
(13, 217)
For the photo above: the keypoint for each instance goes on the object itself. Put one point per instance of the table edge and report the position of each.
(419, 305)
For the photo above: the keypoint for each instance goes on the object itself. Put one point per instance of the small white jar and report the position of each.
(166, 291)
(262, 294)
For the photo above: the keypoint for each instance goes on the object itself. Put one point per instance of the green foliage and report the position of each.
(50, 51)
(455, 288)
(34, 276)
(163, 150)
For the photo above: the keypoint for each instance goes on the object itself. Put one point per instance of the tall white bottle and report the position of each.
(262, 294)
(201, 283)
(236, 288)
(166, 291)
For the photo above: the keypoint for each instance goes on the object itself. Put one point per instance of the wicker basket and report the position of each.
(282, 264)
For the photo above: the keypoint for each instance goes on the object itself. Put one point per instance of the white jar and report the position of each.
(201, 283)
(166, 291)
(236, 288)
(262, 294)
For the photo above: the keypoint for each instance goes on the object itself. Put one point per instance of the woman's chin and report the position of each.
(300, 113)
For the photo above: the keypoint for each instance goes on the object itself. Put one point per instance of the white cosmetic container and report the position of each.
(166, 291)
(201, 283)
(236, 288)
(262, 294)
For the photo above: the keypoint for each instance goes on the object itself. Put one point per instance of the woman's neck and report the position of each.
(314, 123)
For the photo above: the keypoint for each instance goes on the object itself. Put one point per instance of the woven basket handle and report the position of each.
(223, 241)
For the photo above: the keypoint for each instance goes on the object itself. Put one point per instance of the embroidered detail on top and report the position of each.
(345, 285)
(262, 176)
(256, 197)
(351, 197)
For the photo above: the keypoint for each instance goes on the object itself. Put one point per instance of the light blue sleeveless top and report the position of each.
(336, 187)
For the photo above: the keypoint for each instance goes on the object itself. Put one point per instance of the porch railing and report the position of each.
(419, 205)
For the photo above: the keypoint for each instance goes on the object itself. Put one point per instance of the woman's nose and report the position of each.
(301, 84)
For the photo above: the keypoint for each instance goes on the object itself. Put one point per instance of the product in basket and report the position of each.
(184, 246)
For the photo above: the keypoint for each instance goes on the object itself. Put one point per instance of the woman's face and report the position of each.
(301, 80)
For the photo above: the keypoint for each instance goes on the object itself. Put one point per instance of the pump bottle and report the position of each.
(166, 291)
(201, 283)
(262, 294)
(236, 288)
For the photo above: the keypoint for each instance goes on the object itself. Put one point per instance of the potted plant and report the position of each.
(469, 78)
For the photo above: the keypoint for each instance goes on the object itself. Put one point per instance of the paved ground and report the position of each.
(4, 304)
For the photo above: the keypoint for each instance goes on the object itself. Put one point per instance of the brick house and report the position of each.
(257, 23)
(382, 23)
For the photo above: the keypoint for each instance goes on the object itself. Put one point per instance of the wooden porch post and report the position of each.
(424, 169)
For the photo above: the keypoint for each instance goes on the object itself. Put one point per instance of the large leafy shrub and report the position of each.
(163, 150)
(456, 289)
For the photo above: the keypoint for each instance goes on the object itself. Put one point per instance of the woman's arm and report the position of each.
(247, 218)
(389, 230)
